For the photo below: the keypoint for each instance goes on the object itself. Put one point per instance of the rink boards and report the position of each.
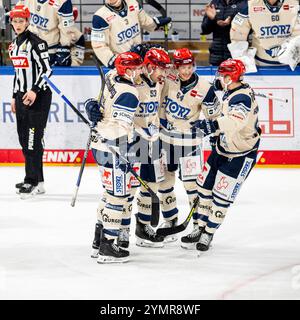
(66, 135)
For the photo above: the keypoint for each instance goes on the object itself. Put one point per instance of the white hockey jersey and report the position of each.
(146, 114)
(120, 104)
(182, 106)
(52, 21)
(239, 129)
(271, 26)
(116, 31)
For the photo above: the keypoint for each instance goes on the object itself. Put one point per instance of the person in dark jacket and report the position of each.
(217, 20)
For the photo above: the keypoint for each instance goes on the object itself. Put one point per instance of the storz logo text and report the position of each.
(119, 184)
(148, 107)
(177, 110)
(128, 33)
(277, 30)
(39, 21)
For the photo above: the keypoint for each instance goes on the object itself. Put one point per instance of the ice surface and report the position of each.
(45, 245)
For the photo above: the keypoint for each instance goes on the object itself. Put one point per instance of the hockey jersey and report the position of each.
(52, 21)
(239, 129)
(271, 26)
(117, 31)
(182, 106)
(120, 101)
(146, 114)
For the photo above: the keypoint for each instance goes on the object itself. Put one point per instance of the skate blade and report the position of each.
(188, 246)
(95, 253)
(204, 253)
(108, 259)
(25, 196)
(148, 244)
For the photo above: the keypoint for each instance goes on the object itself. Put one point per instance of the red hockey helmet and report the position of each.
(182, 57)
(19, 11)
(127, 60)
(158, 58)
(232, 67)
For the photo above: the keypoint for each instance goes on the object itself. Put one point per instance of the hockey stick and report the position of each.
(268, 96)
(88, 145)
(154, 197)
(163, 12)
(181, 227)
(155, 203)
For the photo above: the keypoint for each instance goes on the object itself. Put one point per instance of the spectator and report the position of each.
(217, 20)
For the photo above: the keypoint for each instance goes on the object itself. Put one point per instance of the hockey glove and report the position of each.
(63, 56)
(92, 109)
(161, 21)
(213, 141)
(206, 126)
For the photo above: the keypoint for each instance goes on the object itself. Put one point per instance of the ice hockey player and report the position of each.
(147, 144)
(117, 27)
(53, 21)
(185, 95)
(273, 23)
(229, 164)
(116, 126)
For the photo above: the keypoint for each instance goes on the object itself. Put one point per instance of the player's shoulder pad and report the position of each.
(244, 11)
(66, 9)
(240, 101)
(99, 23)
(127, 101)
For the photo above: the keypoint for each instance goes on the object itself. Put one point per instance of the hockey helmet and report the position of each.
(19, 11)
(158, 58)
(232, 67)
(127, 60)
(182, 57)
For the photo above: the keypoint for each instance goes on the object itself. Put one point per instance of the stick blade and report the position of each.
(173, 230)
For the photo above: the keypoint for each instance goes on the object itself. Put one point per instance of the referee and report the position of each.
(31, 98)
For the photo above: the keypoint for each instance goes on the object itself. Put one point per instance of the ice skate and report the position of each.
(189, 241)
(169, 224)
(109, 252)
(204, 242)
(39, 188)
(123, 239)
(147, 237)
(27, 191)
(96, 241)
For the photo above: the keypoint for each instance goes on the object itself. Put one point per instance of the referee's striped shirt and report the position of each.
(30, 58)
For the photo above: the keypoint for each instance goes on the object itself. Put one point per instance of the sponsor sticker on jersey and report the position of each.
(97, 36)
(238, 20)
(123, 116)
(196, 94)
(107, 178)
(204, 172)
(68, 22)
(131, 8)
(190, 167)
(258, 9)
(110, 18)
(131, 179)
(20, 62)
(224, 186)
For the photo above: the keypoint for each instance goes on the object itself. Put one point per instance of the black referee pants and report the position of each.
(31, 123)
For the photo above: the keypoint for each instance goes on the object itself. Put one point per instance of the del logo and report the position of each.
(222, 184)
(195, 94)
(19, 62)
(258, 9)
(128, 33)
(176, 110)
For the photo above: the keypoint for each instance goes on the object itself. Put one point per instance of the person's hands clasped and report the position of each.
(224, 23)
(29, 98)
